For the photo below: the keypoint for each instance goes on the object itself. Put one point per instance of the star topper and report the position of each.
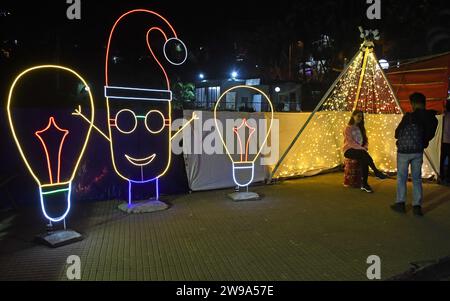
(369, 35)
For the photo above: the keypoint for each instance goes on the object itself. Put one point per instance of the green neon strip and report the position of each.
(140, 116)
(55, 191)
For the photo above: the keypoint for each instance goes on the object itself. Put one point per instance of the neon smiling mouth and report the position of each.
(141, 162)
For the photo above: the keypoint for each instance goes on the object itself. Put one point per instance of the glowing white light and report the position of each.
(185, 51)
(157, 94)
(201, 76)
(384, 64)
(234, 74)
(277, 89)
(63, 216)
(236, 166)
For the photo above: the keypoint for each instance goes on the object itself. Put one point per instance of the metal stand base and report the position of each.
(151, 205)
(244, 196)
(55, 239)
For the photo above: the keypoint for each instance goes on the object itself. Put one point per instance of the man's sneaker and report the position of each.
(399, 207)
(366, 188)
(417, 210)
(380, 175)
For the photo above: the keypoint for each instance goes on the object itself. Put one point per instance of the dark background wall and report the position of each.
(96, 179)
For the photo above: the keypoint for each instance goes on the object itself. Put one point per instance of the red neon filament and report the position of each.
(252, 131)
(51, 122)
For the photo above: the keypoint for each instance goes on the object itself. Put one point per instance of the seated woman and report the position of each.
(356, 147)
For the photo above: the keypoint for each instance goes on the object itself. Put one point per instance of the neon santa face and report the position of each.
(139, 116)
(140, 138)
(138, 107)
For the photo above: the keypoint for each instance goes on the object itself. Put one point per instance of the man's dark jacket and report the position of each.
(426, 119)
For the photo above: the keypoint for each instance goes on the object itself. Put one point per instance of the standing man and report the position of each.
(413, 135)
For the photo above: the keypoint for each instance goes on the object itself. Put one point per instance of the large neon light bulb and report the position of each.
(49, 139)
(243, 160)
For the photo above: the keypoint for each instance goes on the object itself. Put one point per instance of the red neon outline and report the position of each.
(154, 56)
(252, 131)
(235, 130)
(51, 121)
(114, 27)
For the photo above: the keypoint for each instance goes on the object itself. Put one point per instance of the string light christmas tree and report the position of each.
(362, 85)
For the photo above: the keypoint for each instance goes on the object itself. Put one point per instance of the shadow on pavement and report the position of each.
(438, 270)
(435, 199)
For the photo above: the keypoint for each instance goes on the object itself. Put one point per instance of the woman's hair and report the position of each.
(361, 125)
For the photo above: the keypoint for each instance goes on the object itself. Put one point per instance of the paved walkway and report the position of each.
(305, 229)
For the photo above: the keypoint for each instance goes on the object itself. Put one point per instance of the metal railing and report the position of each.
(249, 107)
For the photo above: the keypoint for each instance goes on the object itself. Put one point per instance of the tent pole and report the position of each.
(431, 163)
(324, 98)
(402, 112)
(361, 77)
(390, 88)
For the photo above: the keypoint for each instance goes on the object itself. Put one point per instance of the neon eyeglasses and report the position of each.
(154, 121)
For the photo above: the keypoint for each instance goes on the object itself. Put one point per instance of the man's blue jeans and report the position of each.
(403, 162)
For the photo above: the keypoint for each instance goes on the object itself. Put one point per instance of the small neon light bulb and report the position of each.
(243, 159)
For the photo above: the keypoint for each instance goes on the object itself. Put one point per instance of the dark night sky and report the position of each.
(262, 28)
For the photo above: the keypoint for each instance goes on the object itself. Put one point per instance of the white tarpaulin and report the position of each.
(212, 171)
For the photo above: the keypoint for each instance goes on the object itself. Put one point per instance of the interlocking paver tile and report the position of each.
(305, 229)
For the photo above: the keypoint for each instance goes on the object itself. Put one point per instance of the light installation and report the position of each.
(41, 136)
(139, 118)
(318, 144)
(243, 161)
(52, 143)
